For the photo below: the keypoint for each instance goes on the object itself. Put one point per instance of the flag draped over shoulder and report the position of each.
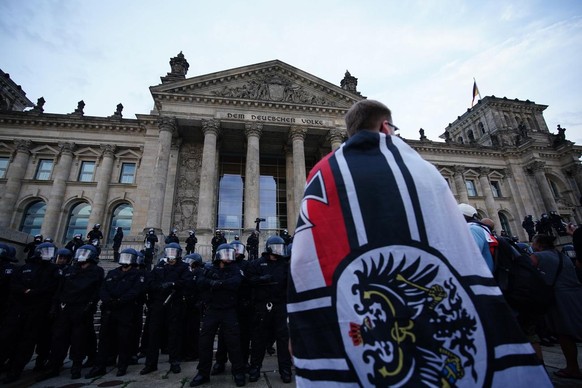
(388, 287)
(475, 92)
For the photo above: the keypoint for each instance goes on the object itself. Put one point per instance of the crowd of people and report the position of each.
(52, 300)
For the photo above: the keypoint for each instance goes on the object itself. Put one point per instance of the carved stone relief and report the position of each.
(188, 184)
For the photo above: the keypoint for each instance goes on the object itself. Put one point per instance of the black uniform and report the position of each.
(74, 244)
(191, 242)
(222, 285)
(253, 246)
(117, 239)
(119, 294)
(150, 248)
(30, 248)
(269, 280)
(166, 307)
(217, 240)
(193, 307)
(172, 238)
(6, 272)
(76, 302)
(31, 292)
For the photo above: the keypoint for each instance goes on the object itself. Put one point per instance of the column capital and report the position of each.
(572, 170)
(297, 133)
(336, 135)
(458, 169)
(253, 129)
(23, 145)
(107, 149)
(484, 171)
(535, 166)
(67, 148)
(210, 126)
(506, 172)
(167, 123)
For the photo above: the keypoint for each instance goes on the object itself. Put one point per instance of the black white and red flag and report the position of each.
(387, 285)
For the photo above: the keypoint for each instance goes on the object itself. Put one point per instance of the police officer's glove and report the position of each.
(215, 284)
(266, 278)
(167, 285)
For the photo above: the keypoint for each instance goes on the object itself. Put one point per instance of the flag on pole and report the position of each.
(475, 92)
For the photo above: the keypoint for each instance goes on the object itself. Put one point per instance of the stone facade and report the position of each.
(499, 156)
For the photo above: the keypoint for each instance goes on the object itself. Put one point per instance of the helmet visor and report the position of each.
(239, 249)
(278, 249)
(226, 255)
(82, 255)
(126, 258)
(4, 253)
(172, 253)
(47, 253)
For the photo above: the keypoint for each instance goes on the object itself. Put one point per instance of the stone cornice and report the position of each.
(58, 121)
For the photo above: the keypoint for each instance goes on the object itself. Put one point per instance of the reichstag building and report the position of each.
(220, 150)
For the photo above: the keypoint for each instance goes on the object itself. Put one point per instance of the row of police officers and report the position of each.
(48, 306)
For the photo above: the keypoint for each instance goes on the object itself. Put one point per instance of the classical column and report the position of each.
(57, 194)
(537, 168)
(516, 204)
(297, 136)
(167, 129)
(252, 175)
(575, 172)
(103, 181)
(336, 137)
(460, 184)
(289, 194)
(489, 201)
(14, 177)
(211, 129)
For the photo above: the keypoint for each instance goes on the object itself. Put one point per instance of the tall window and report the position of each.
(554, 189)
(33, 218)
(78, 220)
(127, 173)
(471, 188)
(471, 136)
(481, 127)
(495, 189)
(87, 171)
(273, 194)
(45, 167)
(505, 223)
(230, 194)
(122, 216)
(3, 167)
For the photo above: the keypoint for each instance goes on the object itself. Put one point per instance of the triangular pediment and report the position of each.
(272, 82)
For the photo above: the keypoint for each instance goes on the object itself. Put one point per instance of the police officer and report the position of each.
(253, 245)
(117, 239)
(76, 302)
(31, 291)
(244, 313)
(150, 241)
(268, 275)
(75, 243)
(193, 308)
(119, 293)
(216, 241)
(30, 248)
(172, 237)
(191, 242)
(95, 236)
(167, 307)
(6, 271)
(63, 258)
(222, 280)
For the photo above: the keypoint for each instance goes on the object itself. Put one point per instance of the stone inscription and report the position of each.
(273, 119)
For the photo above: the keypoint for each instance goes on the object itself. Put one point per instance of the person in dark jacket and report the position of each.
(75, 303)
(149, 243)
(117, 239)
(222, 280)
(31, 291)
(75, 243)
(166, 307)
(193, 308)
(119, 293)
(172, 237)
(191, 242)
(216, 241)
(30, 248)
(268, 276)
(6, 271)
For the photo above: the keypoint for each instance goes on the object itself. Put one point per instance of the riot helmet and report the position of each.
(5, 252)
(151, 231)
(38, 238)
(77, 236)
(276, 246)
(86, 253)
(96, 226)
(140, 260)
(45, 251)
(225, 253)
(191, 233)
(63, 256)
(236, 237)
(173, 251)
(193, 258)
(239, 248)
(48, 239)
(128, 256)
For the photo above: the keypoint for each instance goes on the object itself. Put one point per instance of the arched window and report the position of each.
(460, 140)
(505, 224)
(33, 218)
(78, 220)
(481, 128)
(470, 135)
(122, 216)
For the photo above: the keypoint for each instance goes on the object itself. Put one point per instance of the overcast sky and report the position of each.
(419, 57)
